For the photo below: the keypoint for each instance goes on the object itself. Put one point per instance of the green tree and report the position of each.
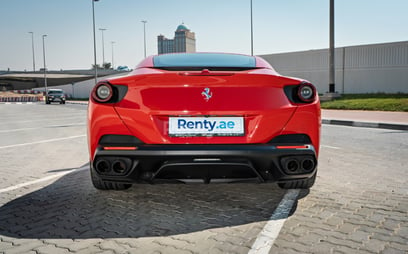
(107, 66)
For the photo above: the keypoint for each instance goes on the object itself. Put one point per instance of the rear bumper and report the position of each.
(58, 99)
(206, 163)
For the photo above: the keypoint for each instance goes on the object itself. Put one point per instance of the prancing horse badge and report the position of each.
(207, 94)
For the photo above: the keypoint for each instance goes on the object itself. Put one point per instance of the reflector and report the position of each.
(119, 148)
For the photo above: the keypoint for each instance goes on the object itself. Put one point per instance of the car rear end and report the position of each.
(188, 121)
(55, 95)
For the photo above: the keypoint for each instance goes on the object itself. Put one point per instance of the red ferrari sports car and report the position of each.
(203, 117)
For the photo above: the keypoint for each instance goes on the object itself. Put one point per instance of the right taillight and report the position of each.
(301, 93)
(102, 92)
(306, 92)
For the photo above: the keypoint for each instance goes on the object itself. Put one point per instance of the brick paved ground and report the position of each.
(22, 124)
(359, 203)
(69, 215)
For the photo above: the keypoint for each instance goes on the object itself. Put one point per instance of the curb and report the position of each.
(77, 102)
(389, 126)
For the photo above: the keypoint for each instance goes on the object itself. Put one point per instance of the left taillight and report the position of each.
(102, 92)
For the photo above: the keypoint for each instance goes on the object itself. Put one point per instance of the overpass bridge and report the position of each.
(29, 80)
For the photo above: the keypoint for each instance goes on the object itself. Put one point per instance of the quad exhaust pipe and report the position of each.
(102, 166)
(292, 165)
(308, 165)
(298, 165)
(113, 166)
(119, 166)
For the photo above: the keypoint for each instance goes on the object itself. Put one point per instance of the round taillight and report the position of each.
(103, 92)
(306, 92)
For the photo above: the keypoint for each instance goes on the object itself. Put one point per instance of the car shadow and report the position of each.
(72, 208)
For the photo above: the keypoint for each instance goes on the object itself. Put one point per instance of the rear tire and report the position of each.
(299, 184)
(99, 184)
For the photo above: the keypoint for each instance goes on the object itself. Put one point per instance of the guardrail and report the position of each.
(27, 92)
(21, 99)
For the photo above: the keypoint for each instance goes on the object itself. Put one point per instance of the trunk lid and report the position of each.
(153, 99)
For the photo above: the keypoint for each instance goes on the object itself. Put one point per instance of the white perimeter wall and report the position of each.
(81, 90)
(376, 68)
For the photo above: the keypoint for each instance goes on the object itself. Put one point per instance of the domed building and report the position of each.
(182, 27)
(184, 41)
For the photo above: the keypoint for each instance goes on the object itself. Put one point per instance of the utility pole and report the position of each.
(113, 67)
(332, 88)
(252, 33)
(32, 45)
(94, 40)
(45, 69)
(144, 35)
(103, 47)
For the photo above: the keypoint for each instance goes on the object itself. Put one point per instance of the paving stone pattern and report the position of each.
(358, 205)
(70, 216)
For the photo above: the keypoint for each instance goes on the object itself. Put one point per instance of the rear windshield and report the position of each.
(199, 61)
(55, 92)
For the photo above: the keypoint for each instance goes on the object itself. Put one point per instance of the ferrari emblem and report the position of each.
(207, 94)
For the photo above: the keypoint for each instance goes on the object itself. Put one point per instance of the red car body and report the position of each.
(205, 117)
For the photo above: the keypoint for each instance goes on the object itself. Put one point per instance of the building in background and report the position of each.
(184, 41)
(374, 68)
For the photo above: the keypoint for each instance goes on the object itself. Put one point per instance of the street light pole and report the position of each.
(144, 35)
(45, 69)
(103, 47)
(113, 67)
(32, 45)
(332, 88)
(252, 34)
(94, 40)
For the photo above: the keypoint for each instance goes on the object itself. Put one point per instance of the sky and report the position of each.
(219, 26)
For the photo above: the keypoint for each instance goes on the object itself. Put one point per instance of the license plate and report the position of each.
(206, 126)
